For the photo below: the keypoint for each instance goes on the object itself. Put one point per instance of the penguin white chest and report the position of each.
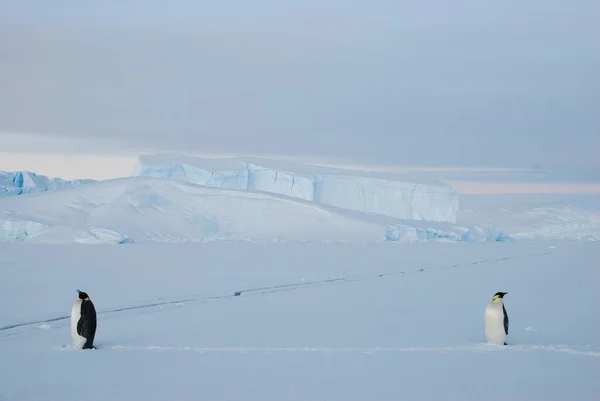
(78, 340)
(494, 324)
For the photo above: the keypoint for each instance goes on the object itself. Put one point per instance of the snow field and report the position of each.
(396, 321)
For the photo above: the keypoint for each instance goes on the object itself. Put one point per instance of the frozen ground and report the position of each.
(335, 321)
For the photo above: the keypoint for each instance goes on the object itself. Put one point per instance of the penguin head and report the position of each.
(82, 295)
(498, 297)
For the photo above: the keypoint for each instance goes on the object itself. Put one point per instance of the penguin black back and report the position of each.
(86, 326)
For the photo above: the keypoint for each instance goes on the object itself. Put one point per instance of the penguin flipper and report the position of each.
(505, 319)
(87, 324)
(80, 325)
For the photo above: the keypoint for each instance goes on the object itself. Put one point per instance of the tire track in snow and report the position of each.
(281, 287)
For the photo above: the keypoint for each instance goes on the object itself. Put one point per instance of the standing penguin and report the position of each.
(496, 320)
(83, 322)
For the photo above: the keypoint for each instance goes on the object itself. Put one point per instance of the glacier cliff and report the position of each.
(394, 196)
(25, 182)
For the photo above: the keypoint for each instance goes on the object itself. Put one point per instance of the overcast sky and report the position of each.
(464, 82)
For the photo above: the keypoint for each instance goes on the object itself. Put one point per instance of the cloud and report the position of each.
(467, 83)
(69, 167)
(28, 142)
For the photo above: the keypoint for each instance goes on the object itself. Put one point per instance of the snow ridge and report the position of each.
(139, 209)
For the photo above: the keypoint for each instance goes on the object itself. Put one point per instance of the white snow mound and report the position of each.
(532, 217)
(150, 210)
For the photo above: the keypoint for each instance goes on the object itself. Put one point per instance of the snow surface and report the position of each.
(150, 210)
(141, 209)
(379, 193)
(256, 286)
(312, 321)
(25, 182)
(503, 218)
(561, 216)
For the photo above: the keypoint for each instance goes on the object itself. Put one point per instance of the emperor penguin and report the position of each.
(496, 320)
(83, 322)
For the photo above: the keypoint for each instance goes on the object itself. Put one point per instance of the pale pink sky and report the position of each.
(446, 83)
(100, 167)
(73, 158)
(69, 167)
(68, 158)
(497, 188)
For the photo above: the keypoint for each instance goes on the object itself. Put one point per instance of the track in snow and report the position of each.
(281, 287)
(477, 348)
(290, 286)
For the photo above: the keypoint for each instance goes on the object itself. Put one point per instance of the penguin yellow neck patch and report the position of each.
(497, 300)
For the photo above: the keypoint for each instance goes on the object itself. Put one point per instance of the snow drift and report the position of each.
(25, 182)
(149, 210)
(395, 196)
(557, 216)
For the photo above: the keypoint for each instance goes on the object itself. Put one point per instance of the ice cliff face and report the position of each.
(24, 182)
(392, 196)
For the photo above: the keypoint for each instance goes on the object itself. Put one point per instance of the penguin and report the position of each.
(496, 320)
(83, 322)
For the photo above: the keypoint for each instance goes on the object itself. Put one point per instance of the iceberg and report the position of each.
(405, 233)
(219, 173)
(19, 230)
(25, 182)
(396, 196)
